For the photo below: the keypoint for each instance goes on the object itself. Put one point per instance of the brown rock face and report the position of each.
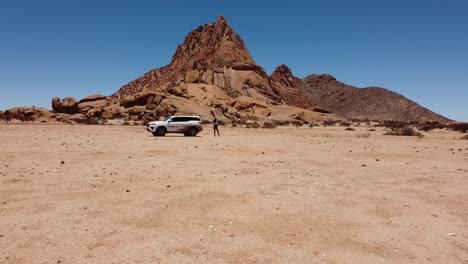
(213, 73)
(287, 86)
(67, 105)
(212, 54)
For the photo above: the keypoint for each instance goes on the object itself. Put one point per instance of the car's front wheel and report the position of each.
(193, 131)
(160, 132)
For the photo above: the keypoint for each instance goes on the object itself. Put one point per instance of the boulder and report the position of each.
(84, 106)
(136, 110)
(128, 101)
(67, 105)
(112, 111)
(94, 97)
(143, 98)
(56, 104)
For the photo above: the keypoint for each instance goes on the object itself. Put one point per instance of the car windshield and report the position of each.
(167, 118)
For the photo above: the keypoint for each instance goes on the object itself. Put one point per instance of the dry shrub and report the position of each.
(372, 130)
(92, 121)
(344, 123)
(328, 123)
(365, 135)
(281, 123)
(461, 127)
(430, 126)
(394, 124)
(350, 129)
(406, 131)
(465, 137)
(268, 125)
(252, 125)
(296, 123)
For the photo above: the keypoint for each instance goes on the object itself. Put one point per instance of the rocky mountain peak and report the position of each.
(211, 46)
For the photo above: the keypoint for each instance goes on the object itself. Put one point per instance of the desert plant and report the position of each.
(365, 135)
(344, 123)
(430, 126)
(328, 123)
(461, 127)
(126, 123)
(405, 131)
(394, 124)
(268, 125)
(296, 123)
(92, 121)
(372, 130)
(350, 129)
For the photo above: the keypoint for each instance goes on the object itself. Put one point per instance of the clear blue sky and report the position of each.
(77, 48)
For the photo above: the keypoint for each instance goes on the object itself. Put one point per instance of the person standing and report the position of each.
(215, 127)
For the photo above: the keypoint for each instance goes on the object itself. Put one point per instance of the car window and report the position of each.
(177, 119)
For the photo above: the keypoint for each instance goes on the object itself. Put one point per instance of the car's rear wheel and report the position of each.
(193, 131)
(160, 132)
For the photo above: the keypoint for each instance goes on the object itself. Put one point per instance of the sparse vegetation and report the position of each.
(297, 123)
(254, 124)
(394, 124)
(428, 126)
(372, 130)
(405, 131)
(465, 137)
(268, 125)
(365, 135)
(350, 129)
(461, 127)
(328, 123)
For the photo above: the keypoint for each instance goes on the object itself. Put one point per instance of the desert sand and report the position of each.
(116, 194)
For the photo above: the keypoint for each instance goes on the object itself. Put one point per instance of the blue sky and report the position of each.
(77, 48)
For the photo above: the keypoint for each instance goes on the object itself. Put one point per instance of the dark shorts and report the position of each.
(215, 126)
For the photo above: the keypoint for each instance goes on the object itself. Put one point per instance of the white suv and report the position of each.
(188, 125)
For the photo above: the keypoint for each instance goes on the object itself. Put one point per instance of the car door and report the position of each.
(176, 124)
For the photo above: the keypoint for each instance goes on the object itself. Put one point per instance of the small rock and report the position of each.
(168, 186)
(128, 190)
(62, 162)
(451, 234)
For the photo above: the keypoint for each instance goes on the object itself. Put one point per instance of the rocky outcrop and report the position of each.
(67, 105)
(287, 86)
(213, 73)
(212, 54)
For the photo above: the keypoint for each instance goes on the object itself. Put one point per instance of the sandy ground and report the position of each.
(285, 195)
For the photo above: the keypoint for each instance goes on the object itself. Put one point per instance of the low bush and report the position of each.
(372, 130)
(461, 127)
(328, 123)
(430, 126)
(268, 125)
(296, 123)
(350, 129)
(465, 137)
(252, 125)
(365, 135)
(406, 131)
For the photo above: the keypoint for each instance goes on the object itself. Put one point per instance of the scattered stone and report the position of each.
(62, 162)
(128, 190)
(451, 234)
